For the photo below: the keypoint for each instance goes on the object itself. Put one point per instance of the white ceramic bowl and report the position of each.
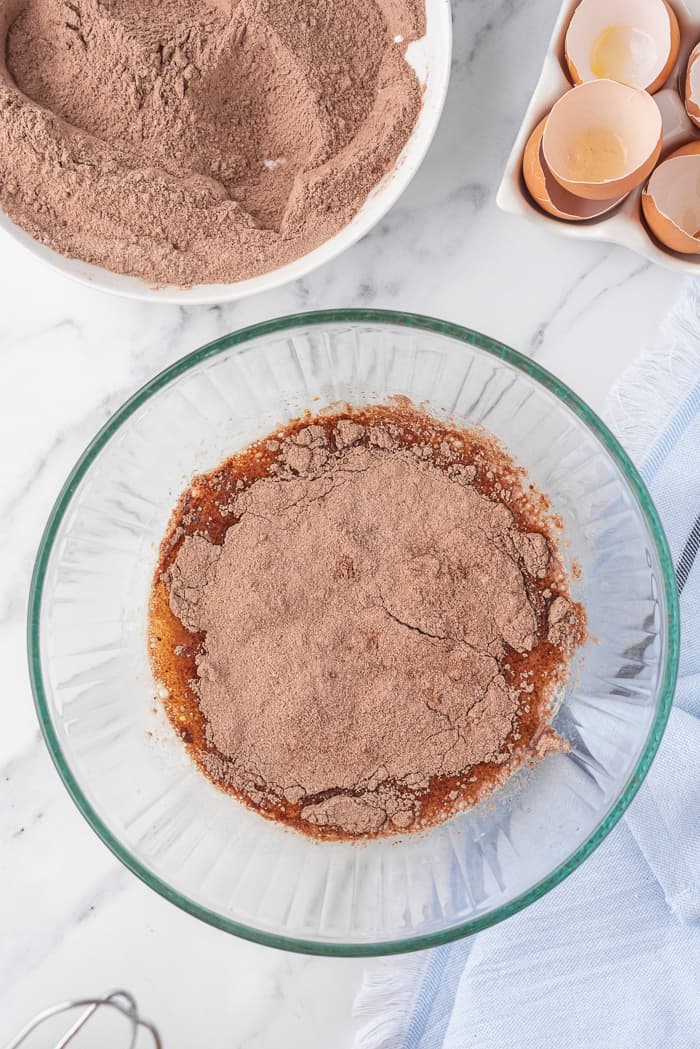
(430, 57)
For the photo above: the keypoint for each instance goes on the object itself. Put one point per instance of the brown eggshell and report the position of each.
(665, 73)
(628, 115)
(692, 86)
(674, 181)
(654, 17)
(546, 191)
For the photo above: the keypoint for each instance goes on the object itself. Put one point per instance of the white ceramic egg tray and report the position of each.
(623, 225)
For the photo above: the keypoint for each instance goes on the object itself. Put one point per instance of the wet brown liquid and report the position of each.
(203, 509)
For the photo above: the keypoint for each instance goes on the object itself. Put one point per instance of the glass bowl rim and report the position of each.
(239, 339)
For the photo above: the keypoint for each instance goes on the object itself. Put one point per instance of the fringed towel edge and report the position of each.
(386, 1000)
(645, 398)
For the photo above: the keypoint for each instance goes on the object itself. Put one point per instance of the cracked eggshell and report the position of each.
(692, 86)
(602, 139)
(546, 191)
(671, 201)
(635, 42)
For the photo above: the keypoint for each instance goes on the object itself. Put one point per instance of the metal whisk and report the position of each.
(121, 1001)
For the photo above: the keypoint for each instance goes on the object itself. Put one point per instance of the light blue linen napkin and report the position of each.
(610, 959)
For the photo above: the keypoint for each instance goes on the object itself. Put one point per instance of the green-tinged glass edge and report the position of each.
(496, 349)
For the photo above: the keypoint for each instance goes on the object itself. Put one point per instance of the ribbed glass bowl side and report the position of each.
(205, 852)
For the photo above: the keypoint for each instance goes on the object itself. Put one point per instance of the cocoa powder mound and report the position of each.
(196, 141)
(358, 620)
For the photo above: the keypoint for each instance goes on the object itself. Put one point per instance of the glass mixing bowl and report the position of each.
(131, 777)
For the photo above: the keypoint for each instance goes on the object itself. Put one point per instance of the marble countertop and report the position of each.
(73, 921)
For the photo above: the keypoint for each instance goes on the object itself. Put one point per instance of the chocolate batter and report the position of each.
(376, 618)
(196, 141)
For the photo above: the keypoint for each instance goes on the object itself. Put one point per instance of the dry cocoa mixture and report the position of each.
(195, 141)
(362, 620)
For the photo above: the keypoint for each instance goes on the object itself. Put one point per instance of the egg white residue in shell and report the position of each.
(671, 201)
(602, 139)
(635, 42)
(546, 191)
(692, 86)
